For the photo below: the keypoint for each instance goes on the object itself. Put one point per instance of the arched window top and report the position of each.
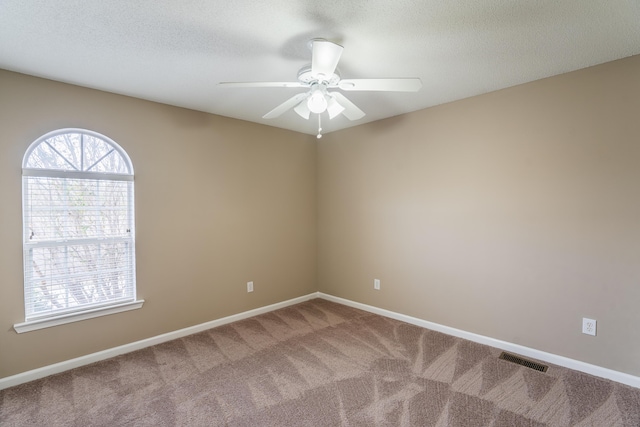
(77, 150)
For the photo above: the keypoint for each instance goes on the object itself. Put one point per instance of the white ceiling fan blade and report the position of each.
(285, 106)
(387, 85)
(351, 112)
(324, 58)
(262, 84)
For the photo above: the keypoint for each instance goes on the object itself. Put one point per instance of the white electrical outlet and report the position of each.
(588, 326)
(376, 284)
(249, 286)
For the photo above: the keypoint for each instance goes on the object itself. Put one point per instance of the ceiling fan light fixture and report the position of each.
(317, 103)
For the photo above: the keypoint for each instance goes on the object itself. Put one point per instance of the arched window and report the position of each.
(78, 229)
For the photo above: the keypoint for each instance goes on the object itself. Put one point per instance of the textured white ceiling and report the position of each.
(175, 52)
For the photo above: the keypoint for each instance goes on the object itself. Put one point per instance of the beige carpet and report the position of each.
(318, 364)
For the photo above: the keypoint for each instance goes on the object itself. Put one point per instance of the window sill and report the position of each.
(34, 325)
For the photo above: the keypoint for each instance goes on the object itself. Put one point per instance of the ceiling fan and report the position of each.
(321, 78)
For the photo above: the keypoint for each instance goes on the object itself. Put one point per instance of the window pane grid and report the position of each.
(77, 152)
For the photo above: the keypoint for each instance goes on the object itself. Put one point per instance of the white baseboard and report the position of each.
(127, 348)
(566, 362)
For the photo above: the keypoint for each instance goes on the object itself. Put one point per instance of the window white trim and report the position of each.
(83, 158)
(48, 322)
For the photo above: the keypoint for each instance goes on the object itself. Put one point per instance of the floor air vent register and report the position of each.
(524, 362)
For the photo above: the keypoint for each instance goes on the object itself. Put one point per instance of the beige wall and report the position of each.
(219, 202)
(512, 214)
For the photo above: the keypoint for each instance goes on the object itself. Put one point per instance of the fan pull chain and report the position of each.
(319, 128)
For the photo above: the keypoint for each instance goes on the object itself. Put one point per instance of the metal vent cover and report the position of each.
(524, 362)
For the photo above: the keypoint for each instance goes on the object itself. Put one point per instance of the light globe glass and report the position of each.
(317, 103)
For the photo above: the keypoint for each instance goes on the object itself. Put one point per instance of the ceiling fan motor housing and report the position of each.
(305, 75)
